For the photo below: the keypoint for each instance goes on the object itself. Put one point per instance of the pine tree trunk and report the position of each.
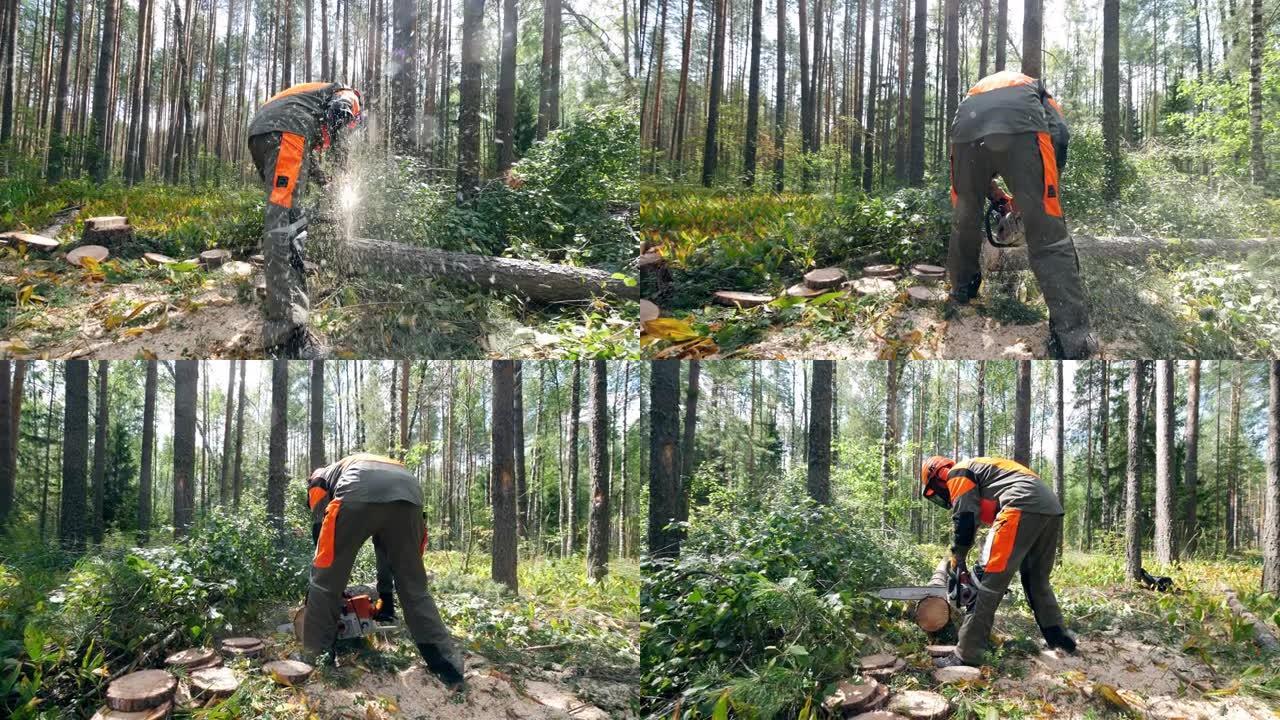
(549, 93)
(1191, 467)
(404, 77)
(237, 477)
(889, 442)
(522, 486)
(598, 519)
(689, 449)
(1022, 415)
(1059, 449)
(316, 456)
(664, 449)
(145, 471)
(1257, 152)
(710, 148)
(277, 445)
(571, 489)
(100, 130)
(469, 101)
(99, 467)
(1032, 34)
(780, 100)
(186, 377)
(1002, 31)
(75, 455)
(868, 131)
(506, 111)
(1133, 477)
(8, 437)
(982, 408)
(1270, 540)
(1166, 552)
(503, 567)
(1111, 95)
(753, 98)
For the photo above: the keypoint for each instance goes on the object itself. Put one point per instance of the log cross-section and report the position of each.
(537, 281)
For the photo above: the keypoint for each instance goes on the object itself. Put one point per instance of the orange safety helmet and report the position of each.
(933, 481)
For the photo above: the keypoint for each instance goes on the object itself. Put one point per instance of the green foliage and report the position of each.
(761, 607)
(911, 225)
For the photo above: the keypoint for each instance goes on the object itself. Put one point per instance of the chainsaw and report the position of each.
(1004, 226)
(961, 590)
(355, 618)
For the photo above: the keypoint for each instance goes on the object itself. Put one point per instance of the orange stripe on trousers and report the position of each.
(324, 549)
(1049, 160)
(288, 164)
(1006, 532)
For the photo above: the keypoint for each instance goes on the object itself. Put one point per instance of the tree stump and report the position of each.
(882, 667)
(237, 269)
(920, 705)
(888, 272)
(141, 690)
(214, 258)
(191, 658)
(856, 697)
(872, 286)
(648, 311)
(111, 231)
(159, 712)
(213, 683)
(31, 240)
(656, 279)
(801, 290)
(158, 259)
(957, 674)
(939, 650)
(288, 672)
(258, 259)
(932, 614)
(97, 252)
(733, 298)
(824, 278)
(243, 646)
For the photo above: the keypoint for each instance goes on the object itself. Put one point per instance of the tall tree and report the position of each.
(75, 455)
(1032, 36)
(1133, 477)
(186, 375)
(1165, 549)
(8, 90)
(1191, 461)
(951, 86)
(100, 128)
(571, 508)
(1270, 539)
(1110, 95)
(522, 488)
(316, 457)
(889, 443)
(224, 467)
(1022, 415)
(404, 73)
(664, 465)
(1002, 32)
(236, 479)
(1104, 419)
(549, 92)
(818, 477)
(598, 520)
(915, 172)
(469, 88)
(868, 131)
(505, 121)
(8, 436)
(689, 450)
(780, 100)
(148, 450)
(710, 147)
(503, 565)
(278, 445)
(1257, 152)
(753, 98)
(982, 408)
(57, 138)
(1059, 447)
(99, 469)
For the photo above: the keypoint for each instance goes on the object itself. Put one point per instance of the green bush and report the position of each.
(908, 226)
(758, 613)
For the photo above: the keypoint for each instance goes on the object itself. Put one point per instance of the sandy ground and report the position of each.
(1155, 681)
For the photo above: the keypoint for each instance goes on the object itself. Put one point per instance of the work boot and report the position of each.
(1057, 638)
(952, 660)
(386, 608)
(443, 667)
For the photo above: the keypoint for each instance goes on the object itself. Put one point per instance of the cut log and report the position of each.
(243, 646)
(939, 650)
(802, 290)
(932, 614)
(213, 662)
(288, 672)
(31, 240)
(214, 258)
(213, 683)
(648, 311)
(928, 274)
(824, 278)
(854, 697)
(957, 674)
(97, 252)
(238, 269)
(872, 286)
(536, 281)
(1262, 634)
(191, 657)
(888, 272)
(877, 662)
(105, 222)
(884, 674)
(158, 259)
(142, 690)
(159, 712)
(924, 295)
(920, 705)
(733, 298)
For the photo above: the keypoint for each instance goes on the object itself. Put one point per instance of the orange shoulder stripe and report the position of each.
(1002, 79)
(300, 88)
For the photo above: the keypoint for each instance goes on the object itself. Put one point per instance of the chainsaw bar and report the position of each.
(912, 593)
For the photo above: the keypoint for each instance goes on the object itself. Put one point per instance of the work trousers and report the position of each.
(283, 162)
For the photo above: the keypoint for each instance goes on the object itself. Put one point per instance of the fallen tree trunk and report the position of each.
(934, 613)
(1261, 633)
(1137, 248)
(536, 281)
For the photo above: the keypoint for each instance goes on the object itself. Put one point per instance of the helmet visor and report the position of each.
(937, 495)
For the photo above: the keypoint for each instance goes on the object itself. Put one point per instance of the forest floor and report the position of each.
(129, 308)
(1177, 300)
